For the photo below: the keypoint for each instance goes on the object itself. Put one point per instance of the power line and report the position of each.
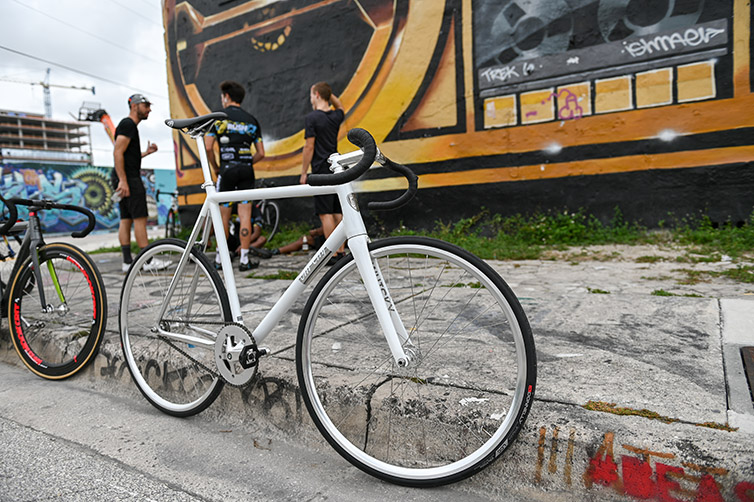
(119, 84)
(86, 32)
(136, 13)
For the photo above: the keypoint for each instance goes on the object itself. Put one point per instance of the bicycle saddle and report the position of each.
(193, 122)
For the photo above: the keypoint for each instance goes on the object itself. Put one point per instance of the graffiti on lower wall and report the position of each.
(637, 472)
(86, 186)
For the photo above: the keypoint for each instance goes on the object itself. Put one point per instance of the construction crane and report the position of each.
(46, 89)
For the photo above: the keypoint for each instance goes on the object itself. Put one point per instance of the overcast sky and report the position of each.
(116, 46)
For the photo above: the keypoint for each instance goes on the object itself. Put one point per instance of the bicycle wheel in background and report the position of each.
(270, 219)
(177, 376)
(59, 341)
(468, 390)
(170, 230)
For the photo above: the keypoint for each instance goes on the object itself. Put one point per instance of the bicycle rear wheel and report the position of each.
(58, 341)
(177, 375)
(170, 225)
(466, 394)
(270, 219)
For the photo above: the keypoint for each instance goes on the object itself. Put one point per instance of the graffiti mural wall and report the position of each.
(518, 105)
(85, 186)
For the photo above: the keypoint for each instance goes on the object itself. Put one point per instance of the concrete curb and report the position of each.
(648, 354)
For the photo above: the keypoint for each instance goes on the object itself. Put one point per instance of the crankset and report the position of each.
(236, 354)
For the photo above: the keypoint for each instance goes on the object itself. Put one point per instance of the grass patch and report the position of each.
(619, 410)
(740, 274)
(285, 275)
(597, 291)
(540, 235)
(662, 292)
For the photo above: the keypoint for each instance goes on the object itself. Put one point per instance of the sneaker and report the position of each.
(156, 264)
(218, 265)
(253, 263)
(261, 252)
(334, 259)
(124, 267)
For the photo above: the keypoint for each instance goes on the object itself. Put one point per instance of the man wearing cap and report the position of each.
(127, 180)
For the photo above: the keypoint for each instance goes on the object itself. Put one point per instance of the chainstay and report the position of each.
(212, 372)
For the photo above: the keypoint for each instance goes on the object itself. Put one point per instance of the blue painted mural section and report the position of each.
(87, 186)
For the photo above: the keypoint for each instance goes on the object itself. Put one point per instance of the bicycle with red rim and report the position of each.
(54, 298)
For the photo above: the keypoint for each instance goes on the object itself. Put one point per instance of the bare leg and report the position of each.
(225, 213)
(140, 232)
(244, 214)
(124, 232)
(329, 222)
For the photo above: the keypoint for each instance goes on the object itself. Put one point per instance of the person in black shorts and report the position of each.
(126, 179)
(234, 137)
(321, 127)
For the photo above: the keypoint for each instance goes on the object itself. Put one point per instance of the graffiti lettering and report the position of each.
(500, 74)
(552, 467)
(667, 43)
(640, 473)
(571, 108)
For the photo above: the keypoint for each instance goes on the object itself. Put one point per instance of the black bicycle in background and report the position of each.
(173, 220)
(54, 296)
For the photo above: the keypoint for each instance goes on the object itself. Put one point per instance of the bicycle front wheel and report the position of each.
(270, 219)
(58, 340)
(468, 390)
(171, 358)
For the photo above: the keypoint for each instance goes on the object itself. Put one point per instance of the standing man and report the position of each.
(235, 136)
(321, 133)
(127, 179)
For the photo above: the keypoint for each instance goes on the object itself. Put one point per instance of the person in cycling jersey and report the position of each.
(234, 138)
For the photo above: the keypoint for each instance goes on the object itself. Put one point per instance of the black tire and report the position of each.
(173, 374)
(170, 225)
(57, 343)
(467, 392)
(270, 219)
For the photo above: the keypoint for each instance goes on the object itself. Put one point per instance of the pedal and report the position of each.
(250, 355)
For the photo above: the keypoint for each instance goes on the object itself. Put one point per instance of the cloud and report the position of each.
(114, 45)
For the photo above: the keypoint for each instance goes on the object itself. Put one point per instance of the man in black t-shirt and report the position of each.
(127, 156)
(235, 136)
(321, 127)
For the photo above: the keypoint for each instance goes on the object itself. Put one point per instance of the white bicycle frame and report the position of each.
(351, 228)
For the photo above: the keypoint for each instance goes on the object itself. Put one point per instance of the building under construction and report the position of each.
(29, 137)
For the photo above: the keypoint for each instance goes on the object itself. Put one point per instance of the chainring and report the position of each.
(228, 361)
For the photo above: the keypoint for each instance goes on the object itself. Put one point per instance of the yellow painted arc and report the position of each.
(630, 163)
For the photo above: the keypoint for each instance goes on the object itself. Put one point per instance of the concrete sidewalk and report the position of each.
(638, 395)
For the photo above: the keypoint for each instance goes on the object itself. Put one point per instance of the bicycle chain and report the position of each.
(213, 372)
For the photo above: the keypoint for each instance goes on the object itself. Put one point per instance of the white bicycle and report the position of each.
(414, 358)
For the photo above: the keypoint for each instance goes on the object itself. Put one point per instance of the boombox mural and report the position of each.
(511, 105)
